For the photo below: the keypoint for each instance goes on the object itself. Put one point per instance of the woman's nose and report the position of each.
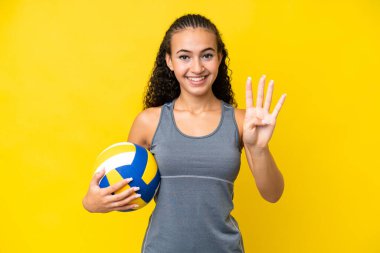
(197, 66)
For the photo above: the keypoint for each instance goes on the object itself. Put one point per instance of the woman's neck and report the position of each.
(197, 104)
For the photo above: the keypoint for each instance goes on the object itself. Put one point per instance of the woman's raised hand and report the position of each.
(259, 123)
(102, 200)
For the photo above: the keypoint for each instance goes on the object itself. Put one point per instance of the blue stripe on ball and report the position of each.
(152, 187)
(145, 191)
(104, 182)
(136, 170)
(138, 164)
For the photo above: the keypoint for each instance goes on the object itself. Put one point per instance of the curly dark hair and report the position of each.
(164, 87)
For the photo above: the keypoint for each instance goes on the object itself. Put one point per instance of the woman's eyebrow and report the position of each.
(187, 51)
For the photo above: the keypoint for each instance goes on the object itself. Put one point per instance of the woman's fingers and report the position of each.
(279, 105)
(115, 187)
(124, 194)
(248, 93)
(262, 111)
(125, 203)
(125, 208)
(268, 98)
(260, 92)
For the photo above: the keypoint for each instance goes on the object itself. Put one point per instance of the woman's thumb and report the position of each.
(97, 176)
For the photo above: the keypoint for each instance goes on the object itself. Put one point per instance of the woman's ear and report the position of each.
(220, 57)
(169, 61)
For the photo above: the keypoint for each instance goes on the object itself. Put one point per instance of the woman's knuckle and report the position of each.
(125, 202)
(116, 204)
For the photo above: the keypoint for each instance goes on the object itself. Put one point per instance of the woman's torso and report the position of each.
(194, 201)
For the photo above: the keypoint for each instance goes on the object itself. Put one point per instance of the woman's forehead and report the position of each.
(193, 40)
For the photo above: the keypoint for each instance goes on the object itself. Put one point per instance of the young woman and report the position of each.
(196, 133)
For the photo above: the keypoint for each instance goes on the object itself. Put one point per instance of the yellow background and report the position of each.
(72, 75)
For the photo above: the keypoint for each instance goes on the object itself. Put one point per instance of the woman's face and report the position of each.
(194, 60)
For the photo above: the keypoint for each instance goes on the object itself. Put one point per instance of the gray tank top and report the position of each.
(194, 200)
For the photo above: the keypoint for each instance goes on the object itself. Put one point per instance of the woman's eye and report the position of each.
(184, 57)
(208, 56)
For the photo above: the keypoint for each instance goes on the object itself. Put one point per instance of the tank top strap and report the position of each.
(166, 113)
(230, 126)
(164, 127)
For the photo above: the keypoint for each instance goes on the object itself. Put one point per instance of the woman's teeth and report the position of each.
(196, 79)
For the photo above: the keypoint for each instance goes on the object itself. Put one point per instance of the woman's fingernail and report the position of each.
(129, 179)
(137, 196)
(136, 188)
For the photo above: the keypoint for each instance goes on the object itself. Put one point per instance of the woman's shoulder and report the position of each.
(146, 116)
(144, 126)
(239, 115)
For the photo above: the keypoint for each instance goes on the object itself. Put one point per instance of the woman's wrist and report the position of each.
(256, 149)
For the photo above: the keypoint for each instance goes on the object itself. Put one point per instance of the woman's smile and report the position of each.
(197, 80)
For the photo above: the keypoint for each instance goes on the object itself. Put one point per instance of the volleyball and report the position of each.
(124, 160)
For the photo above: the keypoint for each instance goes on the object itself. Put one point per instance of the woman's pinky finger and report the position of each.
(127, 207)
(279, 105)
